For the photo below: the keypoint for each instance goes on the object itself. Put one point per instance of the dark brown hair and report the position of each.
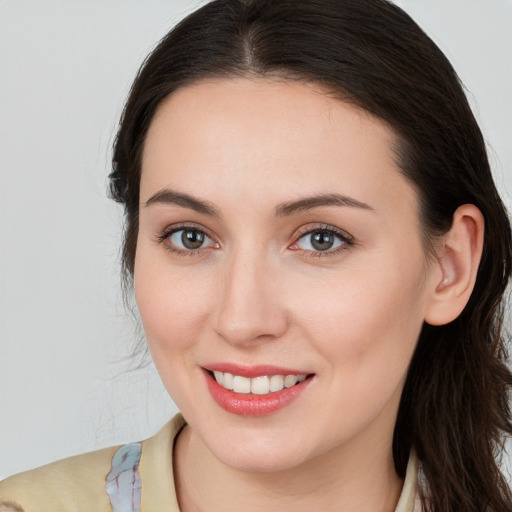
(455, 407)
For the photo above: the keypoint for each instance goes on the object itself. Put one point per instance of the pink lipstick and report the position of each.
(255, 390)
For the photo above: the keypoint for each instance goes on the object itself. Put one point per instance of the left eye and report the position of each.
(320, 240)
(190, 239)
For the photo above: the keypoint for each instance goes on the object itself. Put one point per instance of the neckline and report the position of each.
(157, 472)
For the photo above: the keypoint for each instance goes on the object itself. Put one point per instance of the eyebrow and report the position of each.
(308, 203)
(172, 197)
(168, 196)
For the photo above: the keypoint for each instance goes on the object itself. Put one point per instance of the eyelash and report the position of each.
(346, 240)
(164, 237)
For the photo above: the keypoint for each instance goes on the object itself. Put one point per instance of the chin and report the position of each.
(259, 452)
(260, 462)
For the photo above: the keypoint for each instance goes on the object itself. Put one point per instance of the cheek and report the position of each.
(173, 305)
(366, 332)
(372, 318)
(173, 309)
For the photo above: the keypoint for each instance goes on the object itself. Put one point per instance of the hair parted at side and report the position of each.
(455, 408)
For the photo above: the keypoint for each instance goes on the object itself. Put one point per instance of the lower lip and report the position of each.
(254, 405)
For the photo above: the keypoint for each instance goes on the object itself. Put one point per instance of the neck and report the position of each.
(360, 477)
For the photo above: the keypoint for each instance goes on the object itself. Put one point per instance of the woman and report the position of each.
(319, 255)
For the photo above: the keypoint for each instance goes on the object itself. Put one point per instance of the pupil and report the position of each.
(192, 239)
(322, 241)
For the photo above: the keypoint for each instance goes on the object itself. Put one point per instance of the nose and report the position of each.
(250, 306)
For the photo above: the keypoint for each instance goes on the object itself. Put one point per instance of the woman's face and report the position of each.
(278, 237)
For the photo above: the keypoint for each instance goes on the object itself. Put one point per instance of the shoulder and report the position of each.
(79, 484)
(73, 484)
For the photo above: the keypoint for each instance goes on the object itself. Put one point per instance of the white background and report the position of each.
(65, 69)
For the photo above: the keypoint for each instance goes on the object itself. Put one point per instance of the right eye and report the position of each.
(189, 239)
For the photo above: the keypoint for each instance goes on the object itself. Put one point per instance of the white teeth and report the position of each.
(258, 385)
(228, 381)
(290, 380)
(219, 377)
(241, 384)
(276, 383)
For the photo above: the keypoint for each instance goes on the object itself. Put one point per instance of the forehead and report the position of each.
(276, 137)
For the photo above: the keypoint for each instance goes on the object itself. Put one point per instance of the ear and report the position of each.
(458, 257)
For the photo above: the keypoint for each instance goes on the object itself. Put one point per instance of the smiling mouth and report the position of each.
(261, 385)
(257, 390)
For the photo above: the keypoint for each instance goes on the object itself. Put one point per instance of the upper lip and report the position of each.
(252, 371)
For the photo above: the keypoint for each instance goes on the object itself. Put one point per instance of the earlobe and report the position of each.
(457, 263)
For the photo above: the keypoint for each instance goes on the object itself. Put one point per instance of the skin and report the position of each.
(258, 293)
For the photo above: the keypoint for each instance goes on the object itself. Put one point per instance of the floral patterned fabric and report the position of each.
(123, 484)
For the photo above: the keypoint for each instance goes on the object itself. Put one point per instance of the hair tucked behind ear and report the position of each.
(455, 405)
